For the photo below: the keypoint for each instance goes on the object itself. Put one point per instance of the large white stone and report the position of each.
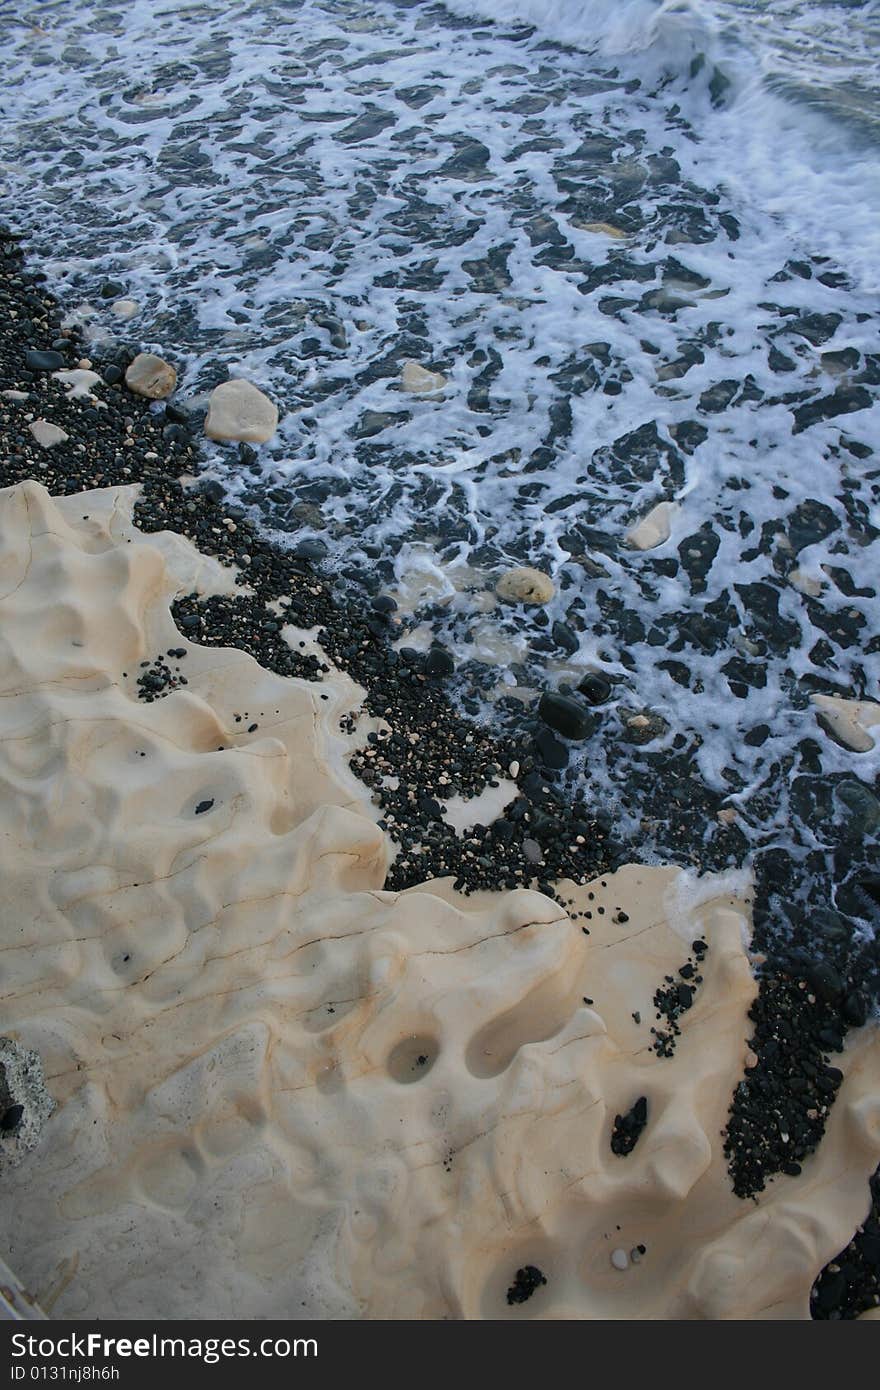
(238, 410)
(151, 376)
(653, 529)
(419, 381)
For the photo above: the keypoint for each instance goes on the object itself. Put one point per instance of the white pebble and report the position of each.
(620, 1259)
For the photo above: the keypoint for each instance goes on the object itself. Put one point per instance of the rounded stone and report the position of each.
(310, 549)
(150, 376)
(238, 410)
(525, 585)
(37, 361)
(595, 688)
(566, 715)
(438, 662)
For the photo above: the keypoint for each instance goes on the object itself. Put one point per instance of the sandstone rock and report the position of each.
(238, 410)
(151, 376)
(46, 434)
(419, 381)
(525, 585)
(653, 529)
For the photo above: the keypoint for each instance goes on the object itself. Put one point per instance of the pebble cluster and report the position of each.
(527, 1280)
(676, 998)
(628, 1128)
(780, 1108)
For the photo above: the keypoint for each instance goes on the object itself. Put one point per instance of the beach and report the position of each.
(437, 780)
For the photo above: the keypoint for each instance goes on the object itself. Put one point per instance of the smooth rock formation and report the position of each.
(525, 585)
(280, 1087)
(419, 381)
(849, 720)
(47, 434)
(653, 529)
(238, 410)
(150, 376)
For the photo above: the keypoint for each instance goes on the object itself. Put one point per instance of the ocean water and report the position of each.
(642, 242)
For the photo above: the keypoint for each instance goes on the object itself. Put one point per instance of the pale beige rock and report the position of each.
(419, 381)
(238, 410)
(125, 308)
(602, 229)
(805, 583)
(653, 529)
(46, 434)
(525, 585)
(151, 376)
(849, 720)
(279, 1086)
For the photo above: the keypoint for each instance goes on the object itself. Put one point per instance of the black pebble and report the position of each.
(566, 715)
(11, 1118)
(48, 361)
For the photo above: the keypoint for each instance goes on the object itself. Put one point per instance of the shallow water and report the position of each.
(641, 241)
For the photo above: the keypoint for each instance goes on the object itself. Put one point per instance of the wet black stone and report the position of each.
(11, 1118)
(855, 1009)
(778, 361)
(595, 688)
(825, 982)
(841, 402)
(204, 806)
(384, 603)
(565, 637)
(48, 361)
(550, 751)
(816, 328)
(311, 549)
(566, 715)
(439, 662)
(111, 374)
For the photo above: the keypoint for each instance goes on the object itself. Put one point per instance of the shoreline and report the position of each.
(425, 734)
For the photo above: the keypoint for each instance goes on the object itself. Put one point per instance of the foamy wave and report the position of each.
(677, 31)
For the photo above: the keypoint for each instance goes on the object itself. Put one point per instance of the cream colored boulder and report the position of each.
(419, 381)
(238, 410)
(849, 720)
(653, 529)
(151, 376)
(525, 585)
